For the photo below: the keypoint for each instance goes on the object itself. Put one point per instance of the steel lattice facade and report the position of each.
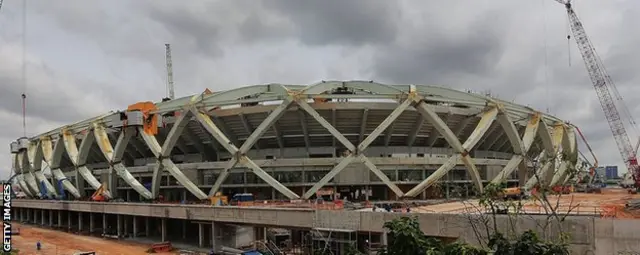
(294, 140)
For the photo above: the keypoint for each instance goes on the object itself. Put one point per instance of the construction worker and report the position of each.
(38, 246)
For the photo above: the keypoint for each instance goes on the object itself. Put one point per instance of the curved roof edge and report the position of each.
(362, 89)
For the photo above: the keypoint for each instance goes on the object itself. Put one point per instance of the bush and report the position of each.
(405, 237)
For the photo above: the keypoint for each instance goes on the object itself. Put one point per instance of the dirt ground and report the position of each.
(61, 243)
(575, 203)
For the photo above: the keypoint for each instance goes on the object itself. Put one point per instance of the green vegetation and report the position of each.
(13, 252)
(406, 238)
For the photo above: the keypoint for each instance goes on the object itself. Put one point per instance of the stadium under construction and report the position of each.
(294, 146)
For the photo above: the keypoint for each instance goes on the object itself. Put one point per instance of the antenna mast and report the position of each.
(170, 92)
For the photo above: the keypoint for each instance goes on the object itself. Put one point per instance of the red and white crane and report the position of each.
(604, 86)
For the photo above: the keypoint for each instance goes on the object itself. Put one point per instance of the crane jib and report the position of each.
(602, 84)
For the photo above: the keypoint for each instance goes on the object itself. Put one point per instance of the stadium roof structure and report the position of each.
(558, 157)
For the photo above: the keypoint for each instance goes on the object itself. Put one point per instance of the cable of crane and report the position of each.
(24, 68)
(546, 55)
(568, 39)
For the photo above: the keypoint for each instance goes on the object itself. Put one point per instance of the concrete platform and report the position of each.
(611, 235)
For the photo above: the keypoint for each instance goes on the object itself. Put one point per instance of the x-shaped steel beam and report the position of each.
(462, 150)
(23, 159)
(20, 179)
(355, 153)
(34, 152)
(114, 158)
(28, 181)
(520, 147)
(240, 153)
(548, 156)
(78, 158)
(164, 161)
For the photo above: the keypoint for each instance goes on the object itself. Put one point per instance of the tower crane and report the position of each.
(603, 84)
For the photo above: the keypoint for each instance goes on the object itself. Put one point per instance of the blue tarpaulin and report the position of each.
(251, 253)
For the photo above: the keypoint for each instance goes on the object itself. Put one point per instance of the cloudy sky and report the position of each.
(84, 57)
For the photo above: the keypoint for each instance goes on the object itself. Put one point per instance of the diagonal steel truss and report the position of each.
(559, 139)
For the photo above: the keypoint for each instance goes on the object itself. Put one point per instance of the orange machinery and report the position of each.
(99, 196)
(150, 119)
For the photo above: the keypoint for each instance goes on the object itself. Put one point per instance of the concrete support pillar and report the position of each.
(59, 219)
(214, 236)
(366, 192)
(79, 221)
(163, 229)
(119, 226)
(264, 234)
(80, 183)
(127, 230)
(50, 218)
(200, 235)
(146, 227)
(135, 226)
(184, 195)
(383, 239)
(91, 219)
(184, 230)
(69, 220)
(128, 195)
(104, 223)
(42, 216)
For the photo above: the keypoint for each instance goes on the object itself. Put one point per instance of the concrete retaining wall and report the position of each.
(588, 235)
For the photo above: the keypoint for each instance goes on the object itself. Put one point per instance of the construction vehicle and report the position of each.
(513, 193)
(325, 194)
(242, 199)
(99, 195)
(219, 199)
(604, 85)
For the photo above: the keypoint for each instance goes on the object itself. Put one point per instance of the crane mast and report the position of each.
(170, 91)
(601, 82)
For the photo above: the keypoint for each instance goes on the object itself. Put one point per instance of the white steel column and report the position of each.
(29, 178)
(78, 157)
(546, 160)
(20, 178)
(569, 157)
(114, 157)
(34, 155)
(520, 147)
(164, 161)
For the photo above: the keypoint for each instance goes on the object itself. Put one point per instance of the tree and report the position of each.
(405, 237)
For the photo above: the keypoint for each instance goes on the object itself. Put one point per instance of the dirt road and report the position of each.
(61, 243)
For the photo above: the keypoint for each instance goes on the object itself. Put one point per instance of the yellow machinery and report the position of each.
(99, 194)
(219, 199)
(512, 193)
